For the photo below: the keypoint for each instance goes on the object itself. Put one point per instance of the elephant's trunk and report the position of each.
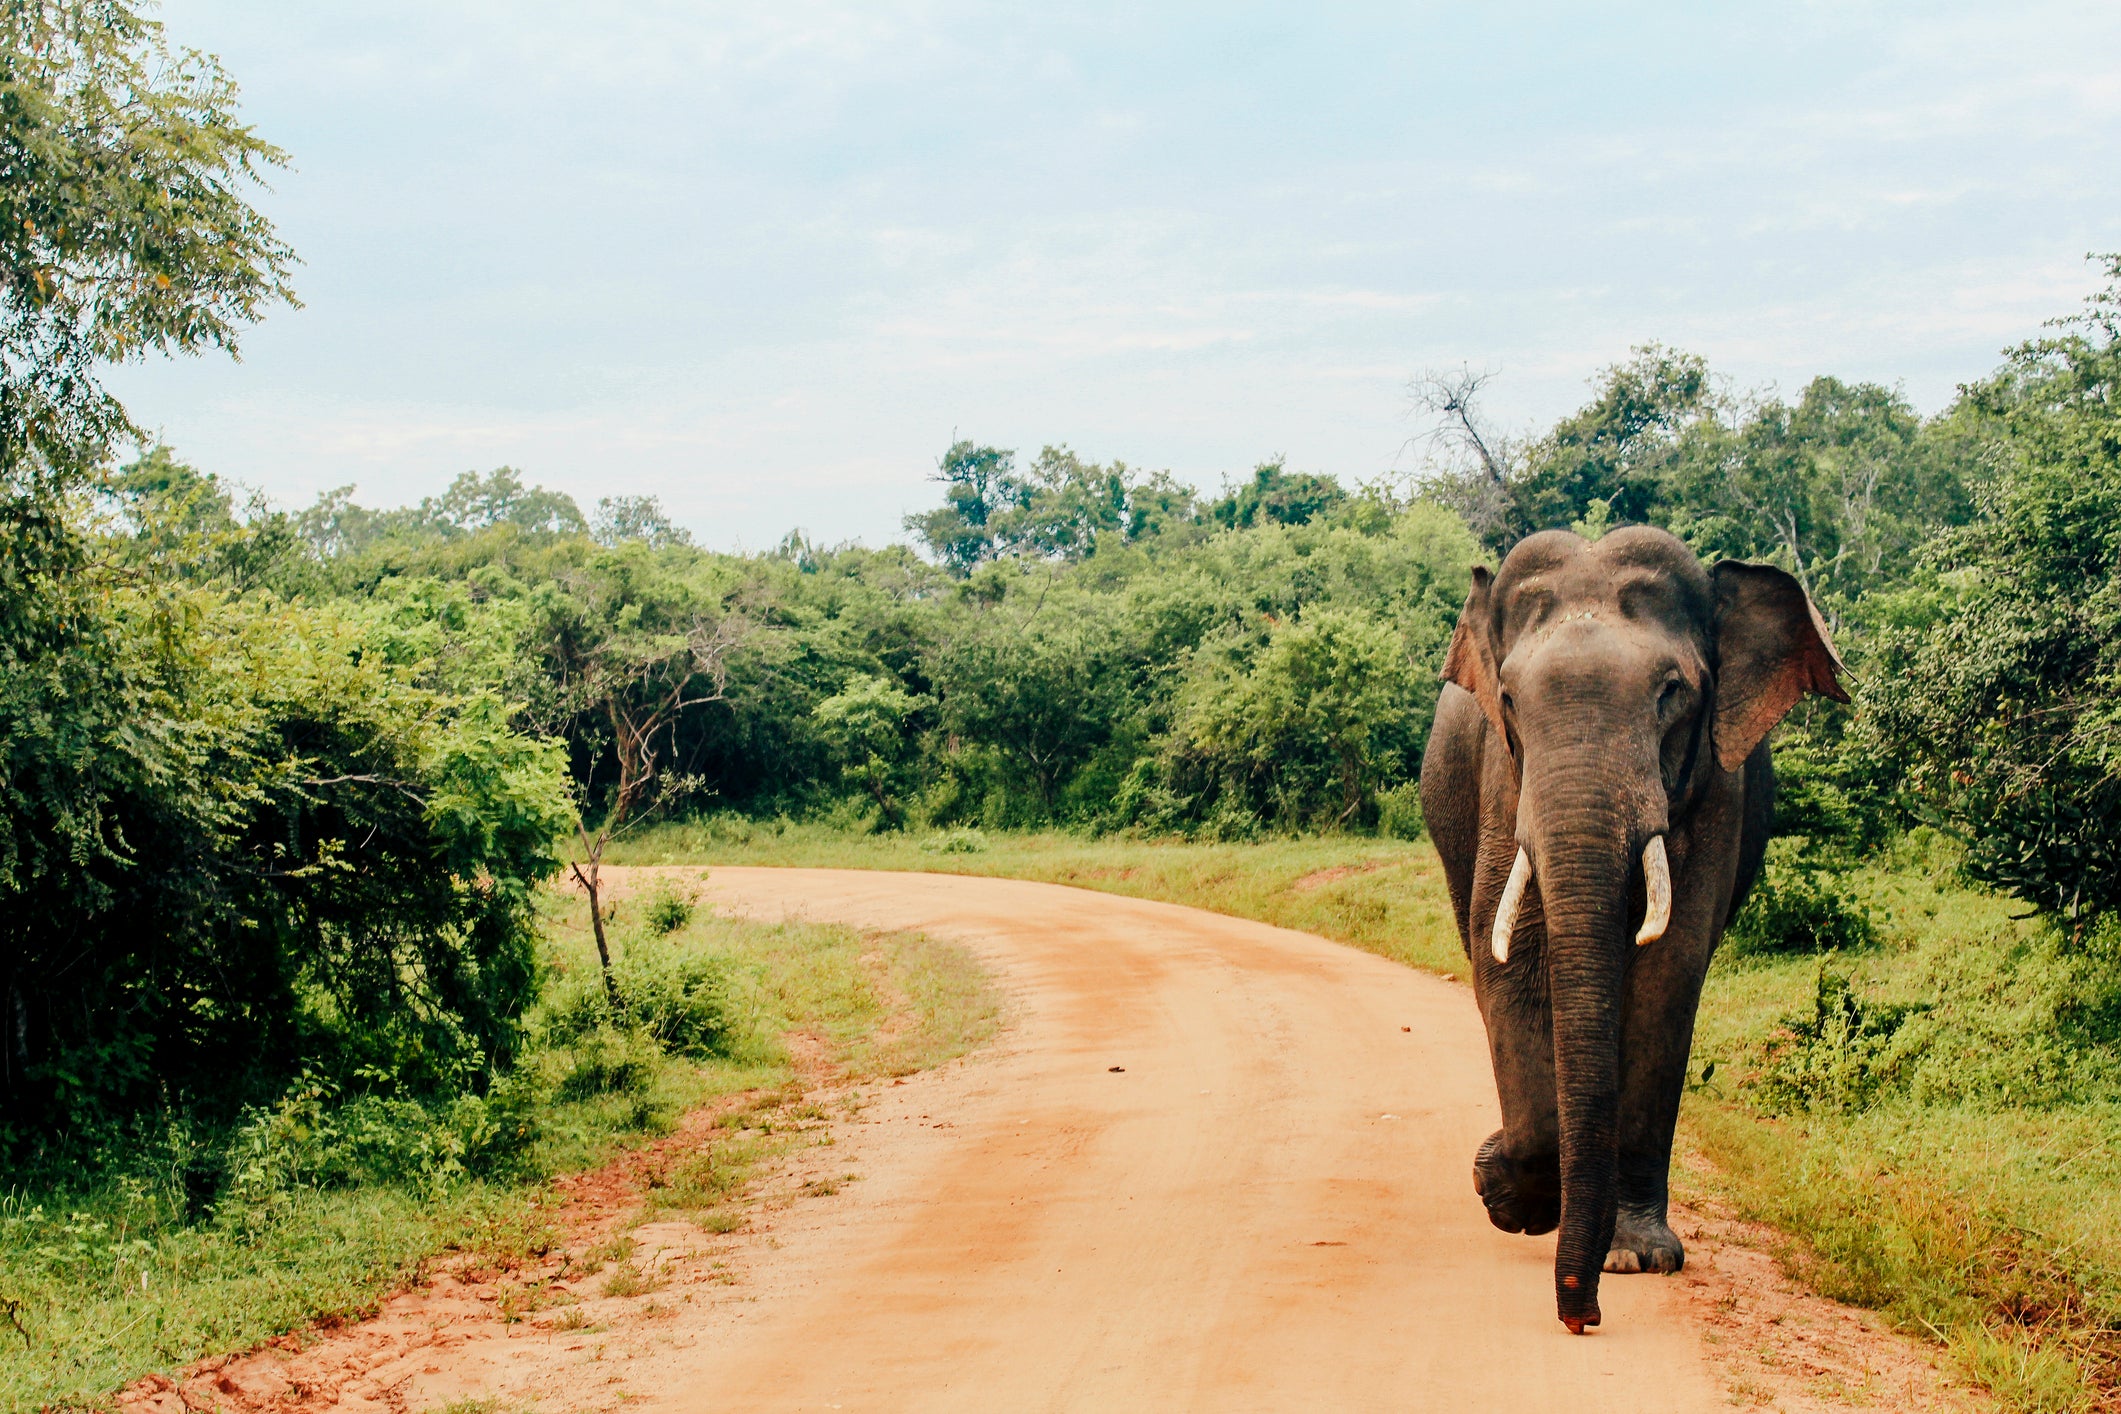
(1586, 933)
(1584, 847)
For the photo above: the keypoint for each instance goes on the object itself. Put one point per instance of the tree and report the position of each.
(1478, 462)
(1275, 495)
(631, 664)
(2001, 694)
(1041, 689)
(124, 228)
(1312, 725)
(474, 503)
(1840, 487)
(979, 483)
(1619, 447)
(622, 518)
(1060, 508)
(868, 725)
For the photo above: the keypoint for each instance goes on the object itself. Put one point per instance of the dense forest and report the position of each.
(279, 786)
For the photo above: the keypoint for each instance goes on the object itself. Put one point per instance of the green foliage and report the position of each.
(2004, 708)
(1277, 496)
(123, 228)
(1619, 449)
(609, 1061)
(623, 518)
(496, 501)
(1838, 1057)
(668, 911)
(1399, 814)
(1038, 691)
(1061, 508)
(237, 845)
(678, 1000)
(1044, 686)
(959, 840)
(1796, 906)
(871, 726)
(314, 1138)
(1305, 729)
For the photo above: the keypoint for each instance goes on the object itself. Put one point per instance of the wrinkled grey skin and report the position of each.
(1600, 694)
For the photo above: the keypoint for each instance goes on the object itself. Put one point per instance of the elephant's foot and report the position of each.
(1520, 1197)
(1643, 1242)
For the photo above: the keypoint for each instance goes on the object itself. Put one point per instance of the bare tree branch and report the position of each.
(1471, 463)
(643, 685)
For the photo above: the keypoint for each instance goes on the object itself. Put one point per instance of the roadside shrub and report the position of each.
(679, 1001)
(961, 840)
(2018, 1023)
(257, 850)
(2006, 1022)
(610, 1061)
(1839, 1058)
(1399, 812)
(668, 911)
(1800, 908)
(313, 1138)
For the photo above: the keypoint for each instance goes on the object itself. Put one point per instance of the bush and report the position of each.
(245, 847)
(611, 1061)
(668, 911)
(2018, 1022)
(1399, 812)
(1840, 1057)
(315, 1139)
(1799, 908)
(2007, 1022)
(961, 840)
(1303, 729)
(680, 1002)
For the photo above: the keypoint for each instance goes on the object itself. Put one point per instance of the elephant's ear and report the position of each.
(1471, 660)
(1771, 649)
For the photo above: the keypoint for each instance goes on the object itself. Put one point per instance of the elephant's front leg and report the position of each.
(1517, 1171)
(1657, 1035)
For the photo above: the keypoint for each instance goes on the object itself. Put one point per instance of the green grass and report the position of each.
(1383, 895)
(1975, 1200)
(115, 1276)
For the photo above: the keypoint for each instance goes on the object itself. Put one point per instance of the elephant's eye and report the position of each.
(1668, 696)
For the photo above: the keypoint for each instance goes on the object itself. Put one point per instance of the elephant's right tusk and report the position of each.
(1506, 911)
(1657, 884)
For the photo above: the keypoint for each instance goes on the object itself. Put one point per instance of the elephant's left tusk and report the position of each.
(1506, 911)
(1657, 882)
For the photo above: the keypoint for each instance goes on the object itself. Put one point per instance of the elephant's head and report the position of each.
(1621, 677)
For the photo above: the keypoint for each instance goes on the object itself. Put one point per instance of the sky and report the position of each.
(767, 261)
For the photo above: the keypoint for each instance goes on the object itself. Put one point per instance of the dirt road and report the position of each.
(1208, 1165)
(1214, 1165)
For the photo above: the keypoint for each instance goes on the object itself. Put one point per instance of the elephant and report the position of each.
(1598, 786)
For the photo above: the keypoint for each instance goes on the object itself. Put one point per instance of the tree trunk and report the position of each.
(594, 850)
(1350, 788)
